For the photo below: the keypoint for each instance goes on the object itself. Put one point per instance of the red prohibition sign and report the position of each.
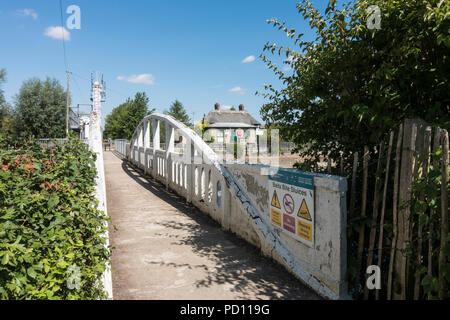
(288, 203)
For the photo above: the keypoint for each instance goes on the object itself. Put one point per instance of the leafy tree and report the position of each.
(40, 109)
(178, 111)
(2, 80)
(5, 109)
(352, 84)
(123, 120)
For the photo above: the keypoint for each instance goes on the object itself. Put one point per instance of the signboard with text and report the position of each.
(292, 204)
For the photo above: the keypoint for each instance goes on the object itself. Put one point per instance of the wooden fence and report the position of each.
(398, 214)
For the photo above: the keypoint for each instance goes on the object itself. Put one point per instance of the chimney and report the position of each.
(241, 107)
(217, 106)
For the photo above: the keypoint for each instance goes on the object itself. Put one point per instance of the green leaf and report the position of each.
(31, 272)
(52, 202)
(5, 259)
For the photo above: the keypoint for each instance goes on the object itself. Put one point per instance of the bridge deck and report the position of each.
(166, 249)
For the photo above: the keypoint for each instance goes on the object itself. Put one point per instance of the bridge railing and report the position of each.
(121, 146)
(237, 196)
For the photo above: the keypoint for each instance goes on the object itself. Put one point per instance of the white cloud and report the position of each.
(144, 78)
(28, 13)
(237, 90)
(57, 33)
(248, 59)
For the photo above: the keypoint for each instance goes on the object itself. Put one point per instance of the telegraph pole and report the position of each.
(67, 103)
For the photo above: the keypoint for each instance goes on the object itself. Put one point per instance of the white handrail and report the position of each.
(185, 131)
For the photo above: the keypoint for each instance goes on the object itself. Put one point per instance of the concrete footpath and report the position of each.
(167, 249)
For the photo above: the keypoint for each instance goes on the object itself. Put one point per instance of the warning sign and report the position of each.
(288, 223)
(304, 230)
(303, 212)
(294, 215)
(275, 202)
(275, 216)
(288, 203)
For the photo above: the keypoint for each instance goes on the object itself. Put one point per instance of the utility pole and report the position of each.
(67, 103)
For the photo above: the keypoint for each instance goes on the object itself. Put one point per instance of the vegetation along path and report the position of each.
(167, 249)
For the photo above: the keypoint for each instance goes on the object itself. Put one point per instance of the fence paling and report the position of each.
(383, 207)
(444, 215)
(366, 158)
(424, 163)
(394, 211)
(436, 143)
(353, 191)
(374, 215)
(406, 174)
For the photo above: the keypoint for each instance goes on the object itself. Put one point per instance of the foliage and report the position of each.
(49, 224)
(426, 204)
(2, 80)
(201, 129)
(6, 128)
(40, 109)
(123, 120)
(6, 120)
(178, 111)
(350, 85)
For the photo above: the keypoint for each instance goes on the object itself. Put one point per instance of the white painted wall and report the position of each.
(96, 145)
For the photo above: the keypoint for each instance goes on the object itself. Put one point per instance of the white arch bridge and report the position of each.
(161, 198)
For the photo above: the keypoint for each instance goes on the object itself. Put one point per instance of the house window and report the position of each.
(219, 136)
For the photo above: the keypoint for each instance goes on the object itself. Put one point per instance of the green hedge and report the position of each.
(52, 237)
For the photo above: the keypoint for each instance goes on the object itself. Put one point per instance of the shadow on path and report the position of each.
(238, 264)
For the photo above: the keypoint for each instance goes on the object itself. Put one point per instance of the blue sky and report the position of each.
(192, 51)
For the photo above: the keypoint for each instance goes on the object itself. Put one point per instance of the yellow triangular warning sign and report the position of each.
(303, 212)
(275, 202)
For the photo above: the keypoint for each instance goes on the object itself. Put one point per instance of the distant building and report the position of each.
(74, 121)
(228, 126)
(84, 126)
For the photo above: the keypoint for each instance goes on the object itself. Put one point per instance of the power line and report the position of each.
(79, 88)
(81, 77)
(62, 30)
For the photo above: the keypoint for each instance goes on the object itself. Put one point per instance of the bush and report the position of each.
(52, 237)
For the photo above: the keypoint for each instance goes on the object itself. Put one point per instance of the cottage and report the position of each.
(229, 126)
